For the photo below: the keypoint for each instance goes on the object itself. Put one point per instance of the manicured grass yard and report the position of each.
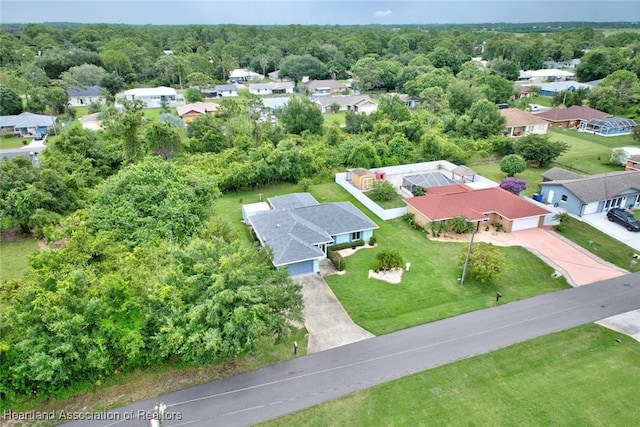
(8, 142)
(13, 258)
(430, 290)
(599, 243)
(579, 377)
(338, 118)
(588, 153)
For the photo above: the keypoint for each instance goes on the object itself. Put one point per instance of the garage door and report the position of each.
(525, 223)
(305, 267)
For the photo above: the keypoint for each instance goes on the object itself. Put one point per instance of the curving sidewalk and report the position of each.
(579, 266)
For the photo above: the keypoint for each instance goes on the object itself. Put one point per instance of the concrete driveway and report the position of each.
(327, 322)
(577, 265)
(613, 229)
(626, 323)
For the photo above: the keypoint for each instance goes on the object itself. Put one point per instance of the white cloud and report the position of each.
(381, 13)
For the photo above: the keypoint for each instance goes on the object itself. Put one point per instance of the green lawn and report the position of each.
(429, 291)
(579, 377)
(331, 118)
(10, 141)
(588, 153)
(13, 258)
(599, 243)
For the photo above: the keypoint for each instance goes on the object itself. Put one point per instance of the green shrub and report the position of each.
(337, 260)
(346, 245)
(372, 241)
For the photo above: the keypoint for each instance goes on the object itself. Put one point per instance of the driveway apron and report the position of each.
(579, 266)
(327, 322)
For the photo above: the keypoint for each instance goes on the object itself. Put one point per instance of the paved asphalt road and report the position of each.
(299, 383)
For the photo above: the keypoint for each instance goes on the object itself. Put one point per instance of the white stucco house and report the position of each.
(153, 97)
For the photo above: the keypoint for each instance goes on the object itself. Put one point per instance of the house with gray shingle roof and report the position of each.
(26, 124)
(79, 96)
(557, 174)
(299, 229)
(594, 193)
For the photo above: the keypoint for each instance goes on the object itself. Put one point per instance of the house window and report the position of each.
(563, 198)
(356, 236)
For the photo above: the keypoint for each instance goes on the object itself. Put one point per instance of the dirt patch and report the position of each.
(393, 276)
(15, 234)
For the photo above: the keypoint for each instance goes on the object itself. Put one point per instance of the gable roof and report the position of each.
(88, 91)
(594, 188)
(294, 231)
(361, 172)
(556, 173)
(517, 117)
(197, 107)
(575, 112)
(443, 203)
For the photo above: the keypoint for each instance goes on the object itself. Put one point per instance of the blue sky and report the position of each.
(276, 12)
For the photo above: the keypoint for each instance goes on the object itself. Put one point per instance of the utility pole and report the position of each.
(466, 259)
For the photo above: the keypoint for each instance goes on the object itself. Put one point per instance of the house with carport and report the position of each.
(594, 193)
(491, 205)
(520, 123)
(299, 230)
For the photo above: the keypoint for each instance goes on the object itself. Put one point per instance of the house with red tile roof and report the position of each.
(572, 117)
(489, 205)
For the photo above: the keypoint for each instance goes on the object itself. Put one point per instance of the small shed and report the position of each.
(362, 179)
(251, 209)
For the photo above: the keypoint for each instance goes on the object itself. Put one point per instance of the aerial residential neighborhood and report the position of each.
(358, 221)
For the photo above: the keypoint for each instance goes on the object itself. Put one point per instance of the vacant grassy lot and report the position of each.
(588, 153)
(599, 243)
(579, 377)
(13, 257)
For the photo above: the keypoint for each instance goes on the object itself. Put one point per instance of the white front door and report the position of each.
(550, 196)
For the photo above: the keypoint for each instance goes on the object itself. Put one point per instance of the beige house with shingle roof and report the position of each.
(520, 123)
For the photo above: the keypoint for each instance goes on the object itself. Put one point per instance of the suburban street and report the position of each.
(300, 383)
